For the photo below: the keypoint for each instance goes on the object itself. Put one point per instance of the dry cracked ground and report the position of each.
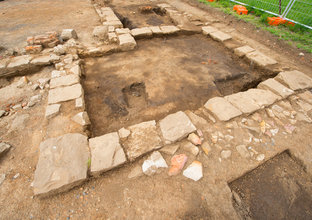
(88, 128)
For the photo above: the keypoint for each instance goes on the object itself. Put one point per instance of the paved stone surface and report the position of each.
(141, 32)
(276, 87)
(68, 34)
(63, 94)
(295, 80)
(243, 102)
(63, 164)
(242, 51)
(126, 42)
(169, 29)
(262, 97)
(82, 118)
(67, 80)
(260, 59)
(306, 96)
(155, 30)
(208, 29)
(19, 63)
(4, 148)
(45, 60)
(220, 36)
(143, 139)
(176, 126)
(52, 110)
(221, 108)
(106, 153)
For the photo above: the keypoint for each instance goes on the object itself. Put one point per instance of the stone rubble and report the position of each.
(52, 110)
(194, 171)
(153, 164)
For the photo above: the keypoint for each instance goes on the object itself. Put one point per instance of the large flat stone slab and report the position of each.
(276, 87)
(19, 63)
(221, 108)
(63, 164)
(141, 32)
(176, 126)
(295, 80)
(143, 138)
(169, 29)
(62, 94)
(243, 102)
(242, 51)
(220, 36)
(208, 29)
(262, 97)
(106, 153)
(260, 59)
(126, 42)
(67, 80)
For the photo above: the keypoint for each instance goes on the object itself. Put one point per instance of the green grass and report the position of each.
(296, 35)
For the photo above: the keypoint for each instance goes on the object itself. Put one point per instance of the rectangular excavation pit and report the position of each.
(278, 189)
(161, 76)
(144, 14)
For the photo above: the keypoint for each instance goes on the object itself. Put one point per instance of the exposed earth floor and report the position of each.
(161, 76)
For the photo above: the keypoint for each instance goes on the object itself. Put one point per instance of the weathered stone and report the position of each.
(208, 29)
(197, 120)
(242, 51)
(4, 148)
(143, 139)
(306, 96)
(169, 29)
(115, 23)
(262, 97)
(155, 30)
(68, 34)
(19, 63)
(76, 70)
(100, 32)
(79, 103)
(220, 36)
(191, 148)
(164, 5)
(2, 112)
(304, 105)
(243, 102)
(276, 87)
(126, 42)
(112, 37)
(176, 126)
(170, 149)
(260, 157)
(62, 94)
(18, 122)
(67, 80)
(226, 154)
(52, 110)
(56, 73)
(45, 60)
(123, 133)
(23, 81)
(141, 32)
(112, 29)
(221, 108)
(242, 150)
(59, 50)
(42, 82)
(3, 65)
(206, 148)
(122, 31)
(106, 153)
(295, 80)
(260, 59)
(33, 100)
(194, 171)
(63, 164)
(153, 163)
(82, 118)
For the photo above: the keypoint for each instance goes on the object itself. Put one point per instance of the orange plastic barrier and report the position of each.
(240, 9)
(275, 21)
(210, 0)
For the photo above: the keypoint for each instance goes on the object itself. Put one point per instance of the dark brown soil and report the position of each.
(161, 76)
(278, 189)
(132, 16)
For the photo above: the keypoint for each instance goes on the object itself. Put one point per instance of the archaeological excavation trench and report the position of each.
(162, 76)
